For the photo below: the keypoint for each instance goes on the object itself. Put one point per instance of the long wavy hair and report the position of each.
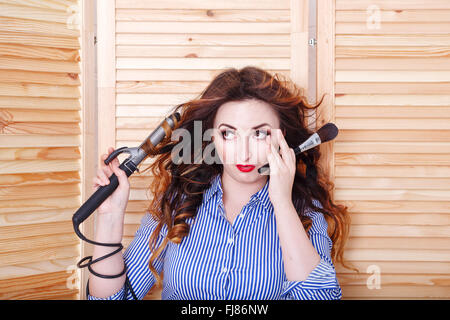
(178, 188)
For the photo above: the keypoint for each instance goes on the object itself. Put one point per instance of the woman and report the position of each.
(219, 229)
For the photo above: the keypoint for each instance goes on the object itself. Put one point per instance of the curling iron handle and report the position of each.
(99, 196)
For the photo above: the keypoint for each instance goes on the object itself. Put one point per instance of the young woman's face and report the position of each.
(239, 135)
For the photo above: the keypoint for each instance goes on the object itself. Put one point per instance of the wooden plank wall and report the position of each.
(39, 148)
(168, 51)
(392, 156)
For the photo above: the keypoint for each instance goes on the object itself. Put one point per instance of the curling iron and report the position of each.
(129, 165)
(326, 133)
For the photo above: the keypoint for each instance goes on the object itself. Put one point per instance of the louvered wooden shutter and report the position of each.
(166, 52)
(40, 148)
(392, 156)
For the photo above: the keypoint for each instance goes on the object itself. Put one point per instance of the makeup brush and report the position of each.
(326, 133)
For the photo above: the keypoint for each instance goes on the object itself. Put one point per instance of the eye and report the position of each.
(224, 134)
(262, 134)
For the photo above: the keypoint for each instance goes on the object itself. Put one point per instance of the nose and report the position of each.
(244, 150)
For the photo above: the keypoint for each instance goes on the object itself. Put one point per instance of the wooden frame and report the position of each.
(89, 122)
(326, 80)
(98, 101)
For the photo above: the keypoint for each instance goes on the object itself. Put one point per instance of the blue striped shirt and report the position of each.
(220, 260)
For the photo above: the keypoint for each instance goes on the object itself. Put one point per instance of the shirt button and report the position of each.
(224, 269)
(230, 241)
(241, 215)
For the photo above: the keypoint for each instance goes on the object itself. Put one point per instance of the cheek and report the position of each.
(224, 149)
(261, 152)
(228, 152)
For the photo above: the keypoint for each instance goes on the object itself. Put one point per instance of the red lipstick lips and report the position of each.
(247, 168)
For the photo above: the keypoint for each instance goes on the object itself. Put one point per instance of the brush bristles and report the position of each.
(328, 132)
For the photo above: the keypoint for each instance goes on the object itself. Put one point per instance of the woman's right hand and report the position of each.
(116, 203)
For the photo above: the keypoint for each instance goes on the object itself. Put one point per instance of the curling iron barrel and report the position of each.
(129, 165)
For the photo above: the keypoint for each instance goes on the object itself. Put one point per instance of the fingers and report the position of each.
(121, 175)
(272, 155)
(287, 153)
(276, 155)
(105, 170)
(287, 156)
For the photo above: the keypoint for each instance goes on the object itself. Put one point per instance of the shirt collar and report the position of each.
(216, 187)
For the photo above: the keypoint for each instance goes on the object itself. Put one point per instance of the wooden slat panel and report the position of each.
(196, 39)
(22, 141)
(419, 219)
(35, 154)
(398, 63)
(35, 217)
(392, 159)
(177, 4)
(41, 128)
(393, 171)
(159, 99)
(396, 242)
(398, 206)
(203, 52)
(199, 64)
(392, 100)
(390, 183)
(399, 267)
(47, 253)
(208, 15)
(201, 27)
(60, 79)
(392, 147)
(39, 103)
(413, 112)
(403, 291)
(376, 194)
(393, 40)
(41, 229)
(22, 115)
(39, 148)
(31, 205)
(404, 16)
(36, 192)
(32, 13)
(38, 90)
(28, 166)
(399, 124)
(40, 242)
(391, 5)
(51, 286)
(395, 279)
(40, 65)
(161, 87)
(170, 75)
(37, 27)
(392, 28)
(399, 231)
(35, 268)
(23, 51)
(60, 5)
(38, 40)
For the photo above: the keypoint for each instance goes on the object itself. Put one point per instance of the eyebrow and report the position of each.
(258, 126)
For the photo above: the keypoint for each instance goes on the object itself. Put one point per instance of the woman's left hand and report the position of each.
(282, 169)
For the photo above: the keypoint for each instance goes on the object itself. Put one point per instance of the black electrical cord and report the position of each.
(90, 262)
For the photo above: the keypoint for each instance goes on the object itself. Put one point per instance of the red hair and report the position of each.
(171, 180)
